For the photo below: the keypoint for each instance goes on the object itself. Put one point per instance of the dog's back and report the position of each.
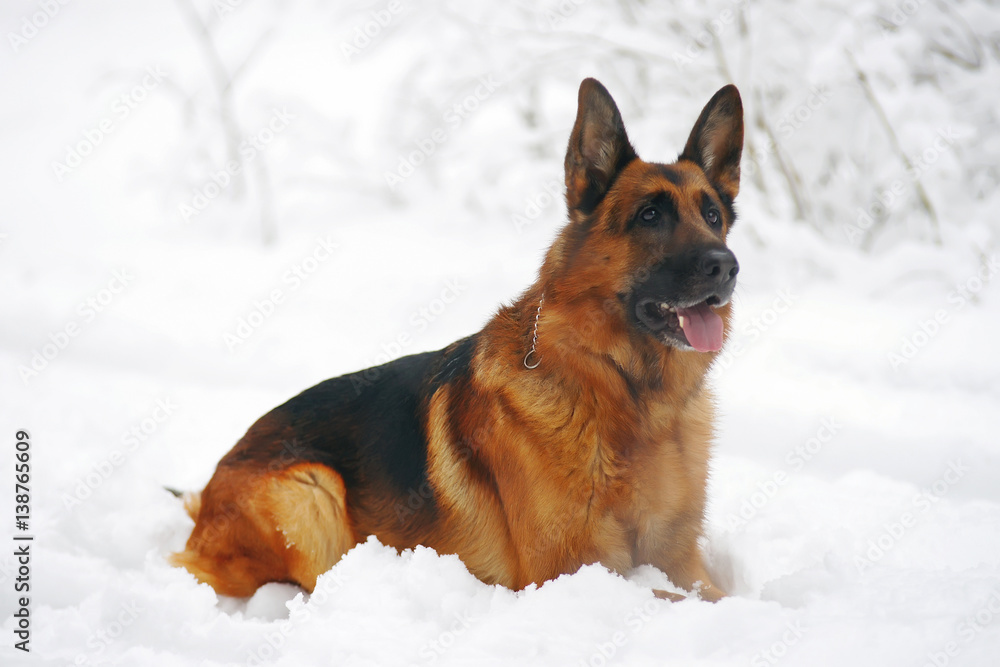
(355, 440)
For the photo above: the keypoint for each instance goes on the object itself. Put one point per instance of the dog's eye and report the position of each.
(712, 217)
(649, 215)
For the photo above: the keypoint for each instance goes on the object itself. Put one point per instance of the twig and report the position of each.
(786, 168)
(790, 176)
(894, 140)
(973, 63)
(224, 82)
(746, 61)
(720, 58)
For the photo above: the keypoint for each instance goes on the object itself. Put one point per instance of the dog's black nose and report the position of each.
(720, 264)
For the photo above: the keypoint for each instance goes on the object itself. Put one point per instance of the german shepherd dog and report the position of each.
(575, 428)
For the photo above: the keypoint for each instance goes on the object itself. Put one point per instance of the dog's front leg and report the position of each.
(681, 561)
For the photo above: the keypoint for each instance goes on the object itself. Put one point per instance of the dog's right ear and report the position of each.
(598, 147)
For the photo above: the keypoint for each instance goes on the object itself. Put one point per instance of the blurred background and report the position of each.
(208, 206)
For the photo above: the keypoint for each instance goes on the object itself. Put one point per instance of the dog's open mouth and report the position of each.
(697, 326)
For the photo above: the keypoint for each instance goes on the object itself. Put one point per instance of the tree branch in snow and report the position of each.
(224, 83)
(925, 201)
(787, 170)
(972, 62)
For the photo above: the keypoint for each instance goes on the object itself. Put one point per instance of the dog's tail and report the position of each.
(192, 501)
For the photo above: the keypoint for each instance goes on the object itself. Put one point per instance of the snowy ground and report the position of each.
(855, 504)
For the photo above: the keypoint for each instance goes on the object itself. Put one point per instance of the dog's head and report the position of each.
(651, 236)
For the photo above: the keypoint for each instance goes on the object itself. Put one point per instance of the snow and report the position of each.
(854, 507)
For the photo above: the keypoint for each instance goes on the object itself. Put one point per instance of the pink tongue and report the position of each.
(702, 327)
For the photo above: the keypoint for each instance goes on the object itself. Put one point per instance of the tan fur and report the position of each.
(598, 455)
(263, 527)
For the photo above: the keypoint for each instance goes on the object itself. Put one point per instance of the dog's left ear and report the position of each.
(716, 142)
(598, 147)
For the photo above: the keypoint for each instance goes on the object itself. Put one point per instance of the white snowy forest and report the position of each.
(209, 205)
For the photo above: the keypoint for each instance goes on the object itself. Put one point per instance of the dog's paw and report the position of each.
(668, 596)
(709, 592)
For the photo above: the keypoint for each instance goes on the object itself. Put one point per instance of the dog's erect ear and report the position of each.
(598, 147)
(716, 142)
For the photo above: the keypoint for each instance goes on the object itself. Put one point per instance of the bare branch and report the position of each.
(254, 53)
(220, 77)
(925, 201)
(785, 166)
